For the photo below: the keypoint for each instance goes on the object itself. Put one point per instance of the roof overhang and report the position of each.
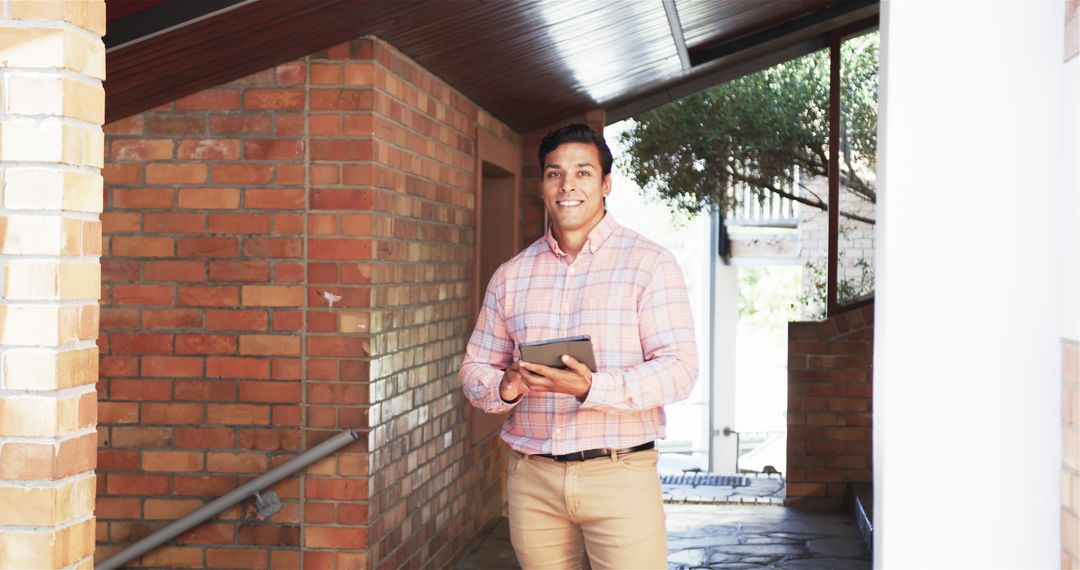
(530, 63)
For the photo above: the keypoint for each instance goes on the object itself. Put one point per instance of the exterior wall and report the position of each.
(203, 319)
(52, 61)
(431, 490)
(1067, 207)
(856, 243)
(1070, 454)
(829, 407)
(992, 340)
(289, 255)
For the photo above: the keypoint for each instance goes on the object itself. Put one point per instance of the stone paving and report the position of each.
(747, 537)
(730, 537)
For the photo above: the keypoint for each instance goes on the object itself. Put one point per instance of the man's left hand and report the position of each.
(575, 380)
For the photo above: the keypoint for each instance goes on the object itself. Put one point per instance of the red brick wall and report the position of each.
(230, 217)
(829, 407)
(430, 488)
(202, 320)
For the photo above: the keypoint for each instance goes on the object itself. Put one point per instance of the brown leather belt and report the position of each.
(596, 453)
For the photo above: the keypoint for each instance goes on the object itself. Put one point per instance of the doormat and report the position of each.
(705, 480)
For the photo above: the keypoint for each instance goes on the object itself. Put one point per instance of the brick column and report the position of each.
(52, 62)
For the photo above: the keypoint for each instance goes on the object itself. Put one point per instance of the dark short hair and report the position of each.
(576, 133)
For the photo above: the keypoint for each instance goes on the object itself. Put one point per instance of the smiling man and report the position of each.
(582, 478)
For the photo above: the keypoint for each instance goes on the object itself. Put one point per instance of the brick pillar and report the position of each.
(52, 62)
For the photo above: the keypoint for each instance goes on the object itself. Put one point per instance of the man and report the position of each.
(582, 473)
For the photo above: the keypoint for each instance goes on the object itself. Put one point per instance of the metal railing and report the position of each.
(747, 441)
(769, 210)
(247, 490)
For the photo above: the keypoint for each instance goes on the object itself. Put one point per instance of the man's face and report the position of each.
(574, 187)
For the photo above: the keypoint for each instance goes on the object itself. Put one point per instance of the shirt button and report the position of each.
(566, 307)
(571, 270)
(558, 431)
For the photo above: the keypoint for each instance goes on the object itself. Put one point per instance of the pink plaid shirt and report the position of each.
(624, 291)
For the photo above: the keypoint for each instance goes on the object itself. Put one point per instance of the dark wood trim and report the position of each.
(506, 156)
(116, 9)
(859, 27)
(834, 173)
(862, 302)
(702, 55)
(158, 17)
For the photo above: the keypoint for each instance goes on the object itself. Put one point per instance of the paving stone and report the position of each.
(675, 543)
(688, 557)
(837, 547)
(825, 564)
(766, 549)
(794, 535)
(766, 539)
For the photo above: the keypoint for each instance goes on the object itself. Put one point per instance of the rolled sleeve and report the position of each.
(488, 355)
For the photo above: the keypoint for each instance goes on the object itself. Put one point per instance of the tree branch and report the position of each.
(858, 185)
(820, 205)
(782, 193)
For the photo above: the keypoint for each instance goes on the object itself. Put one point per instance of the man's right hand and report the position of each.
(513, 384)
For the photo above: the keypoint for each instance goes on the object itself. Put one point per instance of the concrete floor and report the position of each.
(736, 537)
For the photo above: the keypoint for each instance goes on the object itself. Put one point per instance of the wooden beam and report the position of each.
(834, 173)
(677, 33)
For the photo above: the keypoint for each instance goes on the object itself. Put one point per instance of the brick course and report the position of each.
(830, 405)
(288, 255)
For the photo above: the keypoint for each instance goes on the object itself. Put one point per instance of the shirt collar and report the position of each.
(597, 236)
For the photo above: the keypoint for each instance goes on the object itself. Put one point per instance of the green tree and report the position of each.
(757, 129)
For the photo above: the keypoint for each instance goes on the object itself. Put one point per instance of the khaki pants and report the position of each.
(611, 509)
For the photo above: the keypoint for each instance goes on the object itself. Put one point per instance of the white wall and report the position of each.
(967, 375)
(725, 319)
(1069, 209)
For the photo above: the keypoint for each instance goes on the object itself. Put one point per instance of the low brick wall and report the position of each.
(830, 390)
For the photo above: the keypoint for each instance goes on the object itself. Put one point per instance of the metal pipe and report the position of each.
(223, 502)
(715, 230)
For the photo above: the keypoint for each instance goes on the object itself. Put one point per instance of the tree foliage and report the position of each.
(757, 129)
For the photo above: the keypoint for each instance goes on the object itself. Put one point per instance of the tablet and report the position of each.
(549, 352)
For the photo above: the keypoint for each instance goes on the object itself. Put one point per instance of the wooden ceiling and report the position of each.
(529, 62)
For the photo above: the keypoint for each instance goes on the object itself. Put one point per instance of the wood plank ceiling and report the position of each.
(531, 63)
